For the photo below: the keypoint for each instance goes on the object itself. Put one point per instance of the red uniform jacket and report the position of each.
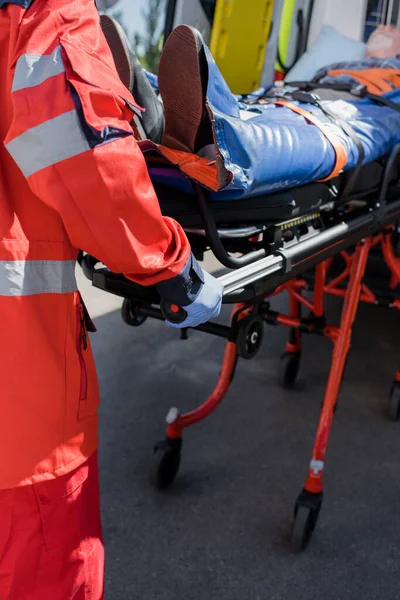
(71, 176)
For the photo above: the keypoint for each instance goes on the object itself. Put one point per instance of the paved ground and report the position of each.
(220, 532)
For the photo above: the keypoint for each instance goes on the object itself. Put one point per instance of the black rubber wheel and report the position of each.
(291, 368)
(166, 462)
(302, 528)
(250, 336)
(396, 241)
(131, 314)
(394, 402)
(306, 513)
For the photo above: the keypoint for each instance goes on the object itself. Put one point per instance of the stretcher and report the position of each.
(318, 238)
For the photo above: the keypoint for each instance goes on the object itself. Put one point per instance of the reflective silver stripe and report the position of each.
(31, 277)
(49, 143)
(33, 69)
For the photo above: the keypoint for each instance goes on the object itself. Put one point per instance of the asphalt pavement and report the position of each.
(220, 533)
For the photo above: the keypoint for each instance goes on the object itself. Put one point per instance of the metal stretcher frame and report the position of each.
(349, 232)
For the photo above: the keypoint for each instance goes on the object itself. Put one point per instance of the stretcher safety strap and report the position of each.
(358, 91)
(347, 128)
(340, 152)
(199, 169)
(33, 69)
(32, 277)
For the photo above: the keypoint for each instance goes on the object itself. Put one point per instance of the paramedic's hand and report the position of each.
(206, 306)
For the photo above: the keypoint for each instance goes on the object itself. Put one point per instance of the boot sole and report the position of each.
(180, 86)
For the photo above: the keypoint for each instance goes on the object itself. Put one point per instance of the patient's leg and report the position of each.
(132, 75)
(120, 49)
(182, 80)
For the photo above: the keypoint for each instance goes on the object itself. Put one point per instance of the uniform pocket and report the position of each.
(81, 347)
(60, 506)
(69, 508)
(105, 106)
(88, 388)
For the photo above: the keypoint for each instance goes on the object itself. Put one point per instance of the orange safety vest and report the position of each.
(71, 176)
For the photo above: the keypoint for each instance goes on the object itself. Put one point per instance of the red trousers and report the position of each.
(50, 539)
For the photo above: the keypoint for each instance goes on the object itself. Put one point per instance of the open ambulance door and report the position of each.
(294, 26)
(197, 13)
(348, 17)
(237, 32)
(256, 42)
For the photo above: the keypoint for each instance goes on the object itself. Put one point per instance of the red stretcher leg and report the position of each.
(310, 500)
(393, 262)
(340, 351)
(167, 454)
(179, 422)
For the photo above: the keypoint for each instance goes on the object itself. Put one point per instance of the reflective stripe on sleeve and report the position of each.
(32, 277)
(49, 143)
(33, 69)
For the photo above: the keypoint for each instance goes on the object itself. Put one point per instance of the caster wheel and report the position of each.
(306, 515)
(396, 241)
(131, 314)
(166, 462)
(250, 336)
(394, 402)
(302, 529)
(291, 368)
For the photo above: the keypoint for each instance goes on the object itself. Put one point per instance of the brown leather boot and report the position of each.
(182, 81)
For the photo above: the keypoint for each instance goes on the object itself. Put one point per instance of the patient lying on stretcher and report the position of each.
(274, 139)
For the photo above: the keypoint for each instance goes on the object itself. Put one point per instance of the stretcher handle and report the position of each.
(172, 313)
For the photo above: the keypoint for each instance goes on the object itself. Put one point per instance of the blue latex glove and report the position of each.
(206, 306)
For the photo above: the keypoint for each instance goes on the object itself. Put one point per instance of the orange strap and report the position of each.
(209, 173)
(340, 151)
(200, 169)
(377, 81)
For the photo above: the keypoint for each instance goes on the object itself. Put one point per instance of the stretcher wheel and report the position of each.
(306, 513)
(396, 241)
(131, 314)
(291, 368)
(250, 336)
(394, 402)
(166, 462)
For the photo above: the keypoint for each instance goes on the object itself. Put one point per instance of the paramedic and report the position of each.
(71, 176)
